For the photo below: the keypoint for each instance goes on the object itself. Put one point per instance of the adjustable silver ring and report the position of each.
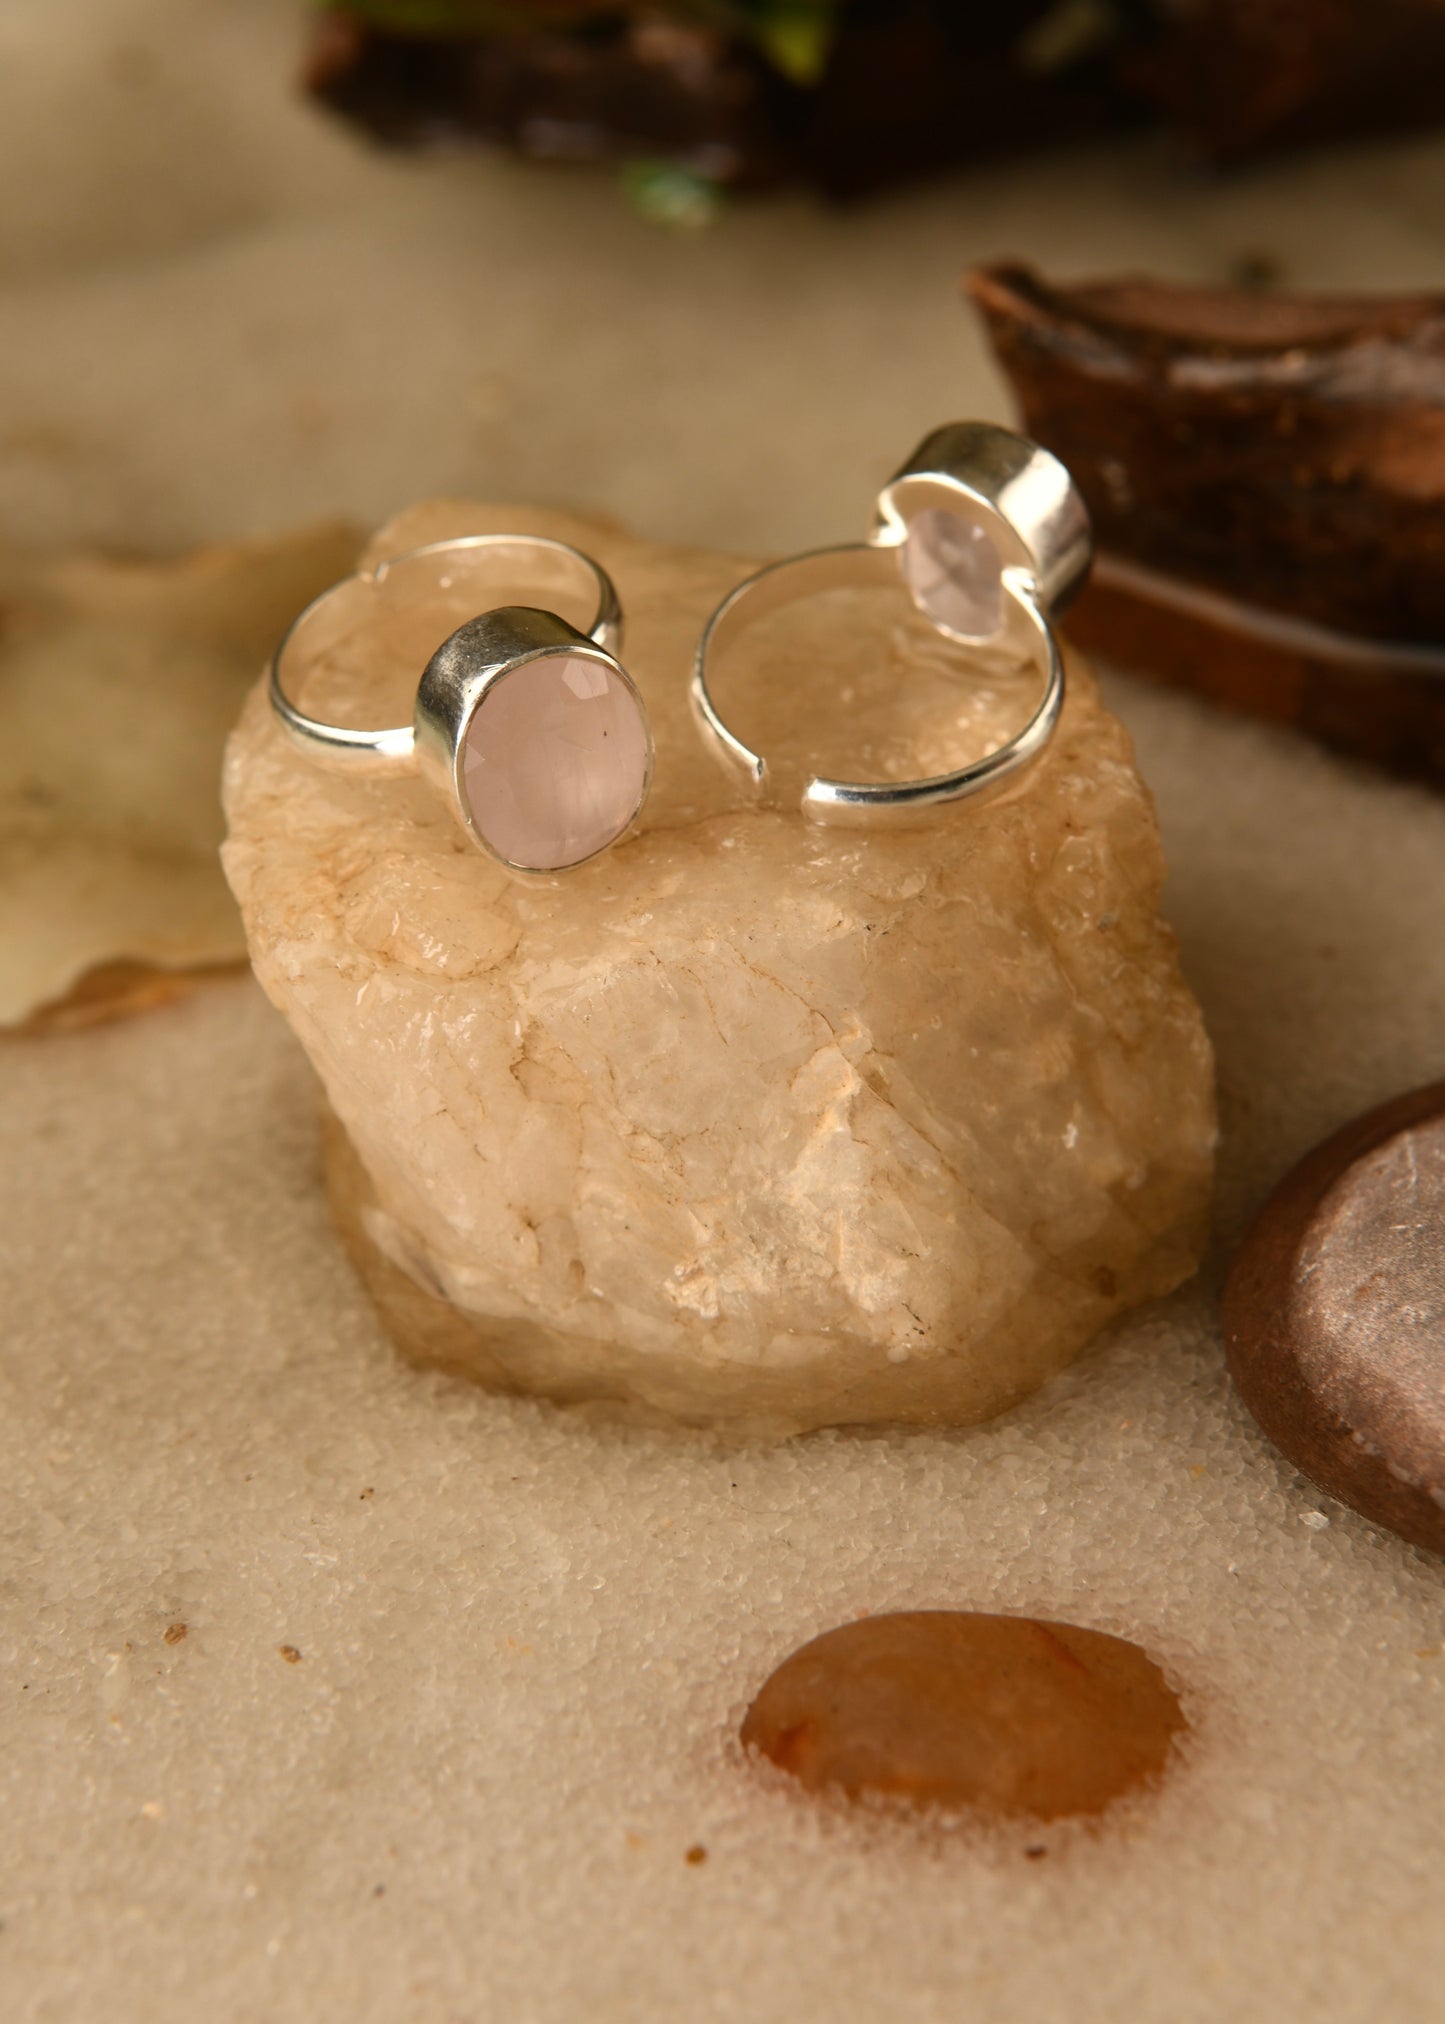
(991, 538)
(532, 731)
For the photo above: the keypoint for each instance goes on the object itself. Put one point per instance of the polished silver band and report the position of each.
(531, 732)
(394, 750)
(851, 566)
(993, 485)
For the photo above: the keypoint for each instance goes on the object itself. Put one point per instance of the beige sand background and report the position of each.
(525, 1640)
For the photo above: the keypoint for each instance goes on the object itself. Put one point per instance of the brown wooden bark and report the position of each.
(1266, 475)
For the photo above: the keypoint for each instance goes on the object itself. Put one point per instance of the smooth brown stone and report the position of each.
(1334, 1316)
(954, 1708)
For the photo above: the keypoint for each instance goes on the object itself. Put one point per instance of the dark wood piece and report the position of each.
(906, 87)
(607, 91)
(1286, 450)
(1243, 78)
(1266, 475)
(1375, 701)
(916, 88)
(1334, 1316)
(909, 88)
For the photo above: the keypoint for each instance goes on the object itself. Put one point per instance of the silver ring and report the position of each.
(991, 538)
(532, 731)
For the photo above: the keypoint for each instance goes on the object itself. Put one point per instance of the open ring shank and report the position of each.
(845, 568)
(393, 750)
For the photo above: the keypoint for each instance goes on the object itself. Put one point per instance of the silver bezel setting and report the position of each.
(392, 750)
(459, 675)
(1025, 501)
(1017, 493)
(455, 684)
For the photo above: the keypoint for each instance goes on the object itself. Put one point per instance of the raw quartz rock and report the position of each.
(746, 1121)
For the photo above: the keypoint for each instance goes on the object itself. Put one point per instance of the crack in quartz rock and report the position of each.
(745, 1122)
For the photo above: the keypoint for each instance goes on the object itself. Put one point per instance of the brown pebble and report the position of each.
(1334, 1316)
(954, 1708)
(290, 1654)
(696, 1854)
(174, 1632)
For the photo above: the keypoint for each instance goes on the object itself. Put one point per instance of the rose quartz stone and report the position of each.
(555, 762)
(954, 573)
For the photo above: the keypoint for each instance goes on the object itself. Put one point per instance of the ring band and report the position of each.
(531, 731)
(991, 537)
(393, 750)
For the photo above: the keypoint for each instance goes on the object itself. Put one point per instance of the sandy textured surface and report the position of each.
(119, 681)
(524, 1642)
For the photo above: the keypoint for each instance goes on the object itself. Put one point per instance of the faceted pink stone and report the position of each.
(555, 761)
(954, 572)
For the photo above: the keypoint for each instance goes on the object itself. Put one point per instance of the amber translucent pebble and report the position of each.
(952, 1708)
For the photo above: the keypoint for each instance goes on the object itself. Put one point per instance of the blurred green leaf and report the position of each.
(667, 195)
(796, 39)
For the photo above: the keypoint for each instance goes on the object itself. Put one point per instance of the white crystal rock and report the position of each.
(955, 573)
(555, 761)
(743, 1121)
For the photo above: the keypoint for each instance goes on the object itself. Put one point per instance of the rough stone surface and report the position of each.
(746, 1120)
(1000, 1714)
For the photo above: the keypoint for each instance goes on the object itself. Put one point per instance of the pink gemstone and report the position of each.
(954, 572)
(555, 761)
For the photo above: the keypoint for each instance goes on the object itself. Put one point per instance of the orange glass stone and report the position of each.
(953, 1708)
